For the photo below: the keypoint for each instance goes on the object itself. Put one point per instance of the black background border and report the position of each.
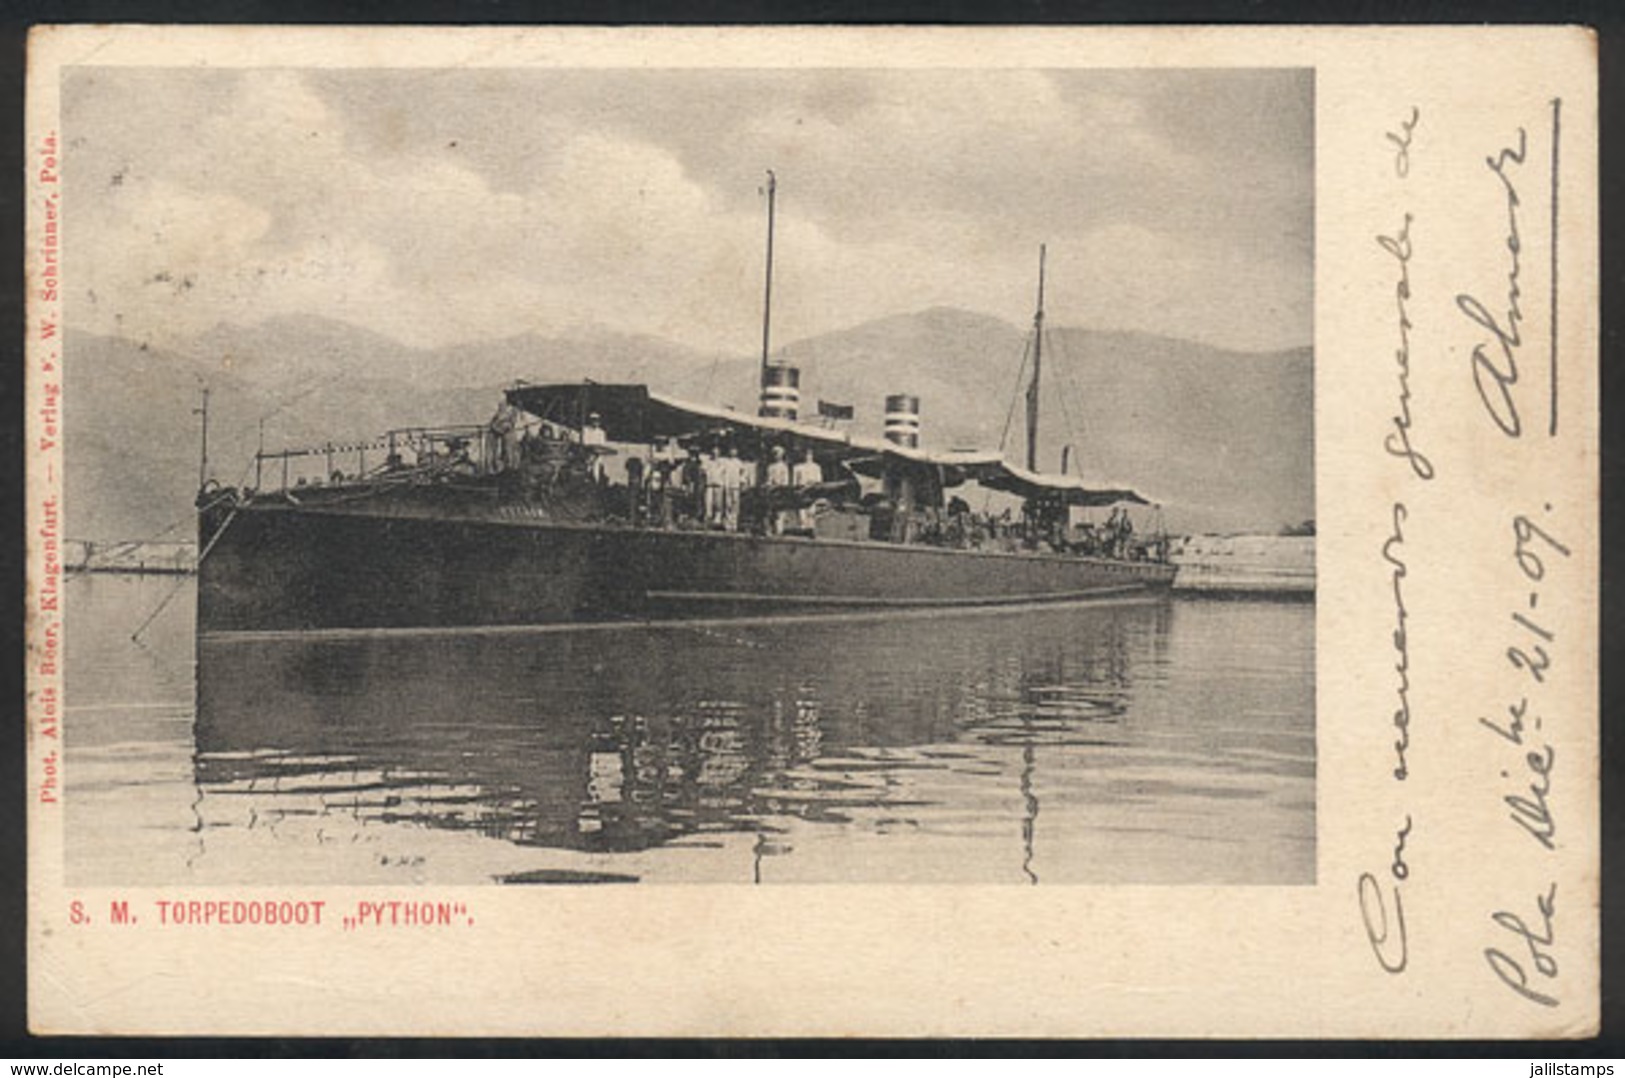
(17, 15)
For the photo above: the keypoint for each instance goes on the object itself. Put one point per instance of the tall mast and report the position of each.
(1038, 356)
(767, 296)
(203, 452)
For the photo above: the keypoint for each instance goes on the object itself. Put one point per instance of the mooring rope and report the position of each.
(176, 590)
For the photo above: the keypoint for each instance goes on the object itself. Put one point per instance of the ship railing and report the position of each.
(406, 452)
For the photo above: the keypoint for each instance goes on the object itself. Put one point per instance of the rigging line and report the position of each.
(1067, 390)
(1010, 415)
(711, 376)
(1015, 394)
(180, 583)
(1066, 373)
(159, 609)
(242, 480)
(317, 384)
(166, 529)
(189, 518)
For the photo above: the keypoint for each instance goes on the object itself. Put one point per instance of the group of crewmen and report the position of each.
(1117, 536)
(707, 486)
(1044, 526)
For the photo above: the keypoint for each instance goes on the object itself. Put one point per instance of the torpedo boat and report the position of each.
(582, 503)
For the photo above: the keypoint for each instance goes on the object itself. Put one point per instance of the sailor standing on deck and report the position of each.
(777, 480)
(505, 435)
(593, 440)
(733, 481)
(662, 475)
(778, 469)
(712, 470)
(1118, 529)
(634, 490)
(806, 473)
(692, 478)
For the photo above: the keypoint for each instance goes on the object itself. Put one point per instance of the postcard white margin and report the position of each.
(1457, 622)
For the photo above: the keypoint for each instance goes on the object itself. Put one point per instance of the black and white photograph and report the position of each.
(839, 532)
(659, 476)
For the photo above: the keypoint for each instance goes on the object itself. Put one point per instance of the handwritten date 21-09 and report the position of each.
(1535, 549)
(1530, 653)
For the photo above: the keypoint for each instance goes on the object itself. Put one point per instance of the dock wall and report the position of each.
(1246, 565)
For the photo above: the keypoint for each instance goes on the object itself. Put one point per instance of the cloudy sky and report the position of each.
(438, 207)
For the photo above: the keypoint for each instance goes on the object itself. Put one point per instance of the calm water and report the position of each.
(1145, 742)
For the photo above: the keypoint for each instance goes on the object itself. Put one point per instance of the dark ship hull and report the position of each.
(276, 565)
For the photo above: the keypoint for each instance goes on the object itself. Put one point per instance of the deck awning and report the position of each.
(1066, 489)
(635, 414)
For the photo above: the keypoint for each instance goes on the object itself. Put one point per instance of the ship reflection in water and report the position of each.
(1148, 741)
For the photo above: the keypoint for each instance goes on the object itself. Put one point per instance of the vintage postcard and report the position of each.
(735, 532)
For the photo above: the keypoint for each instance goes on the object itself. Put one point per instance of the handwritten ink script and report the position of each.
(1400, 442)
(1533, 944)
(1495, 362)
(1492, 325)
(1382, 904)
(1520, 731)
(1525, 964)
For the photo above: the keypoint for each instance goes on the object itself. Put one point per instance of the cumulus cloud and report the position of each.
(460, 205)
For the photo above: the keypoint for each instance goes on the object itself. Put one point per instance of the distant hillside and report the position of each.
(288, 352)
(1223, 439)
(133, 435)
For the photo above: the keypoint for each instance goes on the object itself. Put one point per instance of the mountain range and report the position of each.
(1223, 440)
